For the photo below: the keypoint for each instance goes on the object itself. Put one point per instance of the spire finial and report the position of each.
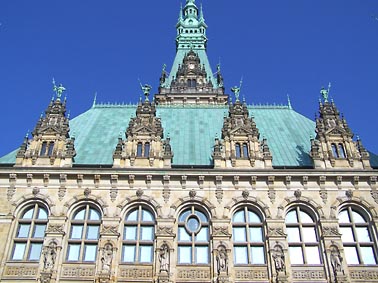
(94, 100)
(289, 102)
(201, 17)
(180, 14)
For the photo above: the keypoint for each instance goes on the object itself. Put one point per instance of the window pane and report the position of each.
(39, 231)
(23, 231)
(42, 214)
(305, 218)
(344, 217)
(94, 214)
(128, 253)
(147, 233)
(357, 218)
(367, 255)
(239, 216)
(132, 216)
(130, 233)
(253, 217)
(201, 216)
(76, 231)
(351, 255)
(202, 255)
(293, 235)
(347, 234)
(202, 236)
(90, 252)
(193, 224)
(183, 235)
(255, 234)
(239, 234)
(258, 256)
(184, 215)
(80, 215)
(309, 235)
(92, 232)
(147, 216)
(19, 250)
(363, 234)
(185, 255)
(291, 217)
(145, 253)
(241, 255)
(312, 255)
(296, 255)
(73, 252)
(28, 214)
(35, 251)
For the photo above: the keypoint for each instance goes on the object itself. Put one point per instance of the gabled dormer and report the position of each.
(191, 80)
(240, 145)
(333, 146)
(144, 145)
(50, 144)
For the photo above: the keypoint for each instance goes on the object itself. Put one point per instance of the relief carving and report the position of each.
(49, 255)
(55, 229)
(221, 231)
(164, 258)
(21, 271)
(276, 232)
(222, 260)
(330, 231)
(110, 230)
(336, 260)
(279, 259)
(165, 231)
(107, 258)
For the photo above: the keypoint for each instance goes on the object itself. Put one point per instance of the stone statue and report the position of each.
(336, 260)
(107, 258)
(222, 259)
(164, 258)
(279, 259)
(49, 256)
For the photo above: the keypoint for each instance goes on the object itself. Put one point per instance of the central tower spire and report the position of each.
(191, 79)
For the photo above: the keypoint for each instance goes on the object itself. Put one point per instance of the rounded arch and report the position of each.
(305, 202)
(74, 203)
(27, 200)
(360, 203)
(202, 203)
(147, 201)
(237, 203)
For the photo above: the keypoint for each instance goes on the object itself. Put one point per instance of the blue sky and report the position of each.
(279, 47)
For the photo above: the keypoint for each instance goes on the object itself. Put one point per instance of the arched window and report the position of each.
(357, 236)
(51, 149)
(303, 237)
(146, 149)
(139, 149)
(237, 150)
(138, 236)
(43, 149)
(193, 237)
(334, 151)
(248, 237)
(341, 151)
(84, 234)
(245, 150)
(30, 233)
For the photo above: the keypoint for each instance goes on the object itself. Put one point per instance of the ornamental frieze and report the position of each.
(110, 230)
(165, 231)
(194, 274)
(221, 231)
(55, 229)
(71, 271)
(21, 271)
(248, 274)
(135, 273)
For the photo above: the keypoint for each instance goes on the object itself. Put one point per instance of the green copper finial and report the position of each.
(289, 102)
(146, 90)
(94, 100)
(236, 90)
(181, 14)
(325, 92)
(201, 17)
(58, 90)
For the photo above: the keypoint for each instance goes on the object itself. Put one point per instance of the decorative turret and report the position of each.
(50, 144)
(240, 145)
(191, 80)
(143, 146)
(333, 146)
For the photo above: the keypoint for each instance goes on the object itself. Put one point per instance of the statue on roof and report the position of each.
(58, 89)
(236, 90)
(146, 90)
(325, 92)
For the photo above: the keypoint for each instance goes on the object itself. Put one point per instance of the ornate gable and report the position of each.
(333, 146)
(143, 146)
(240, 145)
(51, 144)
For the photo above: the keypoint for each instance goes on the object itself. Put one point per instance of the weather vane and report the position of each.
(58, 89)
(325, 92)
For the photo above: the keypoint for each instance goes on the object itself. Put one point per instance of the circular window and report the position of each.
(193, 224)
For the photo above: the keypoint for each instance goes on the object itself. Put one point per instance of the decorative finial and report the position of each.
(289, 102)
(180, 14)
(164, 67)
(201, 17)
(58, 90)
(94, 100)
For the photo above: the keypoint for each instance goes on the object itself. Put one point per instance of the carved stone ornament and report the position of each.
(55, 229)
(330, 231)
(87, 192)
(49, 255)
(139, 193)
(35, 191)
(222, 260)
(245, 194)
(192, 194)
(221, 231)
(336, 260)
(164, 258)
(298, 194)
(279, 259)
(349, 194)
(110, 230)
(165, 231)
(276, 232)
(45, 277)
(107, 258)
(374, 195)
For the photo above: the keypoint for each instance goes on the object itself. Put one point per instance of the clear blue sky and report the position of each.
(279, 47)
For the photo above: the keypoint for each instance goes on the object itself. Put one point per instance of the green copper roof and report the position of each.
(192, 130)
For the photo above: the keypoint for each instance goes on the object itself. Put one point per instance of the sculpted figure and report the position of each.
(222, 260)
(49, 256)
(279, 259)
(336, 260)
(107, 257)
(164, 258)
